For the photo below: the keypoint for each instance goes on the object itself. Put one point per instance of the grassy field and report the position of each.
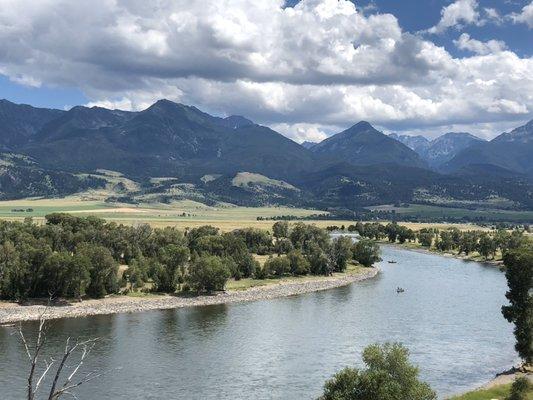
(180, 214)
(424, 211)
(496, 393)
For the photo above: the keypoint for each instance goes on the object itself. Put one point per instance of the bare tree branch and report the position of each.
(66, 387)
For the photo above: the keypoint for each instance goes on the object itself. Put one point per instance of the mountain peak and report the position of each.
(362, 144)
(361, 126)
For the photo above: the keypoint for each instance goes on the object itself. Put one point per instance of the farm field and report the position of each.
(180, 214)
(426, 211)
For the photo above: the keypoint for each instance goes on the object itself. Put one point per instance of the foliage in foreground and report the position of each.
(519, 274)
(519, 390)
(388, 376)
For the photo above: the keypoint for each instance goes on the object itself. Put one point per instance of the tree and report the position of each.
(283, 246)
(468, 242)
(388, 376)
(103, 271)
(404, 234)
(341, 253)
(137, 273)
(425, 237)
(392, 231)
(319, 262)
(520, 389)
(519, 274)
(280, 229)
(486, 246)
(65, 379)
(445, 242)
(366, 252)
(298, 263)
(304, 236)
(208, 273)
(169, 261)
(277, 266)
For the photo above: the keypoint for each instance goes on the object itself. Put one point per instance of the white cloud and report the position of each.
(460, 12)
(303, 132)
(306, 71)
(492, 15)
(525, 16)
(465, 42)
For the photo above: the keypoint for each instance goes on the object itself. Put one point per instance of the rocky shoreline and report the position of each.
(12, 312)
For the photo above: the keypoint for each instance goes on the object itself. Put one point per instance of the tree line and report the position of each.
(486, 243)
(70, 256)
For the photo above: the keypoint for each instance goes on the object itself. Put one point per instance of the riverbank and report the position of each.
(421, 249)
(499, 387)
(13, 312)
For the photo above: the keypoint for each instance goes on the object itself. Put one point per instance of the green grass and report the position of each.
(436, 212)
(184, 213)
(498, 392)
(244, 284)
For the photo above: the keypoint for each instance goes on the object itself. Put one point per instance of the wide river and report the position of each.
(449, 317)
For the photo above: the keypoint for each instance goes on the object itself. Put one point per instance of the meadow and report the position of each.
(181, 214)
(437, 212)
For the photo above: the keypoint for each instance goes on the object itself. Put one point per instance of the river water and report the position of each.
(449, 317)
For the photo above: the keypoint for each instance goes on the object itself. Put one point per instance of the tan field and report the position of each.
(181, 214)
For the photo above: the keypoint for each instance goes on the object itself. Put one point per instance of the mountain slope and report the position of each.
(512, 151)
(167, 139)
(362, 144)
(22, 177)
(19, 122)
(447, 146)
(417, 143)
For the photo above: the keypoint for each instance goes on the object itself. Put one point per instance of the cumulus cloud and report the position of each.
(306, 70)
(465, 42)
(525, 16)
(458, 13)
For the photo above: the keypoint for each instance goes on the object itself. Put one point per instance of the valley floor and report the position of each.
(238, 292)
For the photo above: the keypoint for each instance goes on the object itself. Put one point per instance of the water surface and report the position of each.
(449, 317)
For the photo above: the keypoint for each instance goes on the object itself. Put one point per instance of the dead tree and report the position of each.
(59, 386)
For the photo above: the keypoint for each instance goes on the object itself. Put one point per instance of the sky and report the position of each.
(306, 68)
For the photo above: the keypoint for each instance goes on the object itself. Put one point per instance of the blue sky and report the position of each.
(416, 15)
(306, 68)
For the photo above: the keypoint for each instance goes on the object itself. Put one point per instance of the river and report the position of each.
(449, 317)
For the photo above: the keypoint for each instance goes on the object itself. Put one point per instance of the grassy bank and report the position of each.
(474, 256)
(244, 284)
(495, 393)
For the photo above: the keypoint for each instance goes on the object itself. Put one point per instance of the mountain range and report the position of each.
(177, 151)
(439, 151)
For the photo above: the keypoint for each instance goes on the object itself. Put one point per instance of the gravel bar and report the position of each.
(12, 312)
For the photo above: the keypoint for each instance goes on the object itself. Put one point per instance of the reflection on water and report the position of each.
(449, 317)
